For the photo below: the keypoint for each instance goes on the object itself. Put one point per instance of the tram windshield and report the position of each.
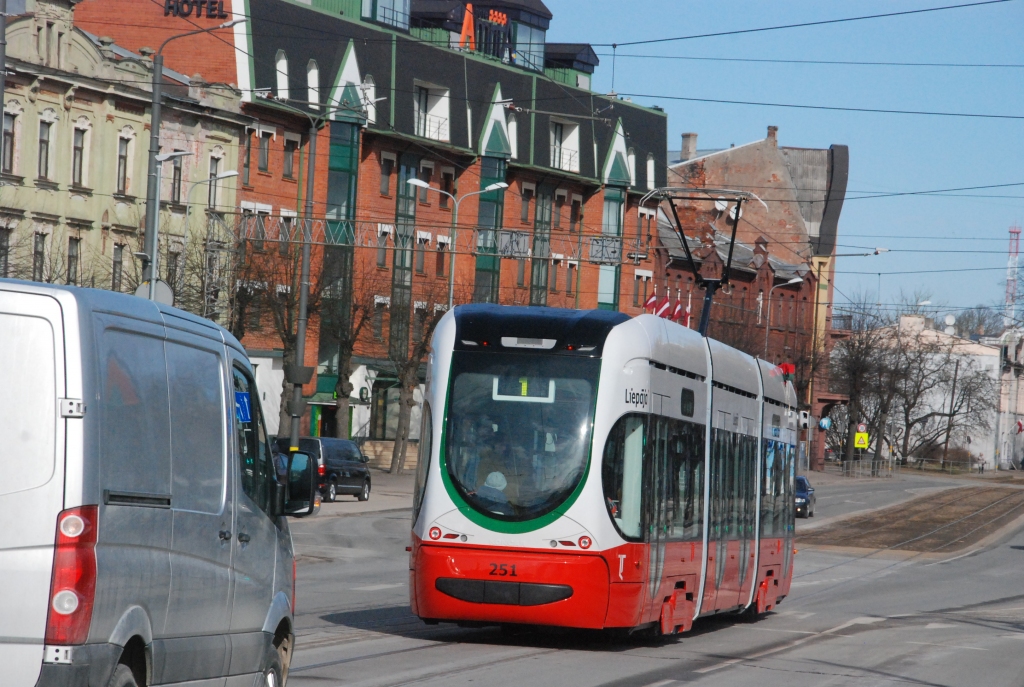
(519, 430)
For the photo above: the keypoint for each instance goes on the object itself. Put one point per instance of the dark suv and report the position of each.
(804, 498)
(342, 466)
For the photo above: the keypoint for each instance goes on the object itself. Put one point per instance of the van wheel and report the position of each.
(332, 492)
(364, 495)
(122, 677)
(273, 673)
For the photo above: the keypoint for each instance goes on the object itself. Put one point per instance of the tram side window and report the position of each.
(720, 452)
(769, 485)
(686, 458)
(622, 474)
(789, 510)
(747, 454)
(423, 463)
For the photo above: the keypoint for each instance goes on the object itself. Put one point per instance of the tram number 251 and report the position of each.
(503, 570)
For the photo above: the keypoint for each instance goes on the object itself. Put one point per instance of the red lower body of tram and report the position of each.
(593, 589)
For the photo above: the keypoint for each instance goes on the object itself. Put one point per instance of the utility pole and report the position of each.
(949, 420)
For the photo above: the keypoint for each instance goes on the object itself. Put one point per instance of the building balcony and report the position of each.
(565, 159)
(432, 127)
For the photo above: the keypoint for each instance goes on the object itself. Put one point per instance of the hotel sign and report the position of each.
(214, 9)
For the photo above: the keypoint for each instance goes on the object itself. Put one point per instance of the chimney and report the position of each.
(773, 132)
(689, 150)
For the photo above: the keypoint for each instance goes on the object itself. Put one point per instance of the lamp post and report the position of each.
(153, 187)
(768, 319)
(419, 183)
(152, 251)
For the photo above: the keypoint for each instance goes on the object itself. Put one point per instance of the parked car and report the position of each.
(341, 465)
(804, 497)
(145, 540)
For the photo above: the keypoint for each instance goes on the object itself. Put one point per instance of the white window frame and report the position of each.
(437, 118)
(281, 74)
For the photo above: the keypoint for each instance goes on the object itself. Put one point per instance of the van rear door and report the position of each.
(32, 379)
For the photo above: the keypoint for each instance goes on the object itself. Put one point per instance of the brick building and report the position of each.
(461, 101)
(790, 235)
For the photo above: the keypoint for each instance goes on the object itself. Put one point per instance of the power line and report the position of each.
(822, 22)
(833, 108)
(854, 63)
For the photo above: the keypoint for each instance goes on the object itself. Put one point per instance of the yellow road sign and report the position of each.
(860, 440)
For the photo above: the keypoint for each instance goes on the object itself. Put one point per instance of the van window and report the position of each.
(197, 429)
(134, 437)
(253, 448)
(28, 404)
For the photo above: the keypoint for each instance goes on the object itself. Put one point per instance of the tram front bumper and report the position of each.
(461, 583)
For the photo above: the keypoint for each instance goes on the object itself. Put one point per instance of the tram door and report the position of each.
(658, 514)
(718, 511)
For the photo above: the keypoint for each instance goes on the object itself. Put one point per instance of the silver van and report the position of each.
(142, 531)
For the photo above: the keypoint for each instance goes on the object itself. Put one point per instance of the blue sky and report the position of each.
(888, 153)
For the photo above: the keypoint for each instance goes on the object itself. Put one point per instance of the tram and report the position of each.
(587, 469)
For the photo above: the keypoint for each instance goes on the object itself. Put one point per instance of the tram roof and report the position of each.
(573, 332)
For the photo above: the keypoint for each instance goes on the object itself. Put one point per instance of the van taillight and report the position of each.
(321, 470)
(73, 583)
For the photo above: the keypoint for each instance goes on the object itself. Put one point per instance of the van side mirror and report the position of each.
(300, 492)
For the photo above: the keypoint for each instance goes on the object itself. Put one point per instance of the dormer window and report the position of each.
(430, 108)
(391, 12)
(529, 44)
(565, 146)
(281, 69)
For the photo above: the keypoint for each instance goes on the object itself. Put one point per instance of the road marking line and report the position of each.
(863, 620)
(938, 626)
(377, 587)
(662, 683)
(949, 646)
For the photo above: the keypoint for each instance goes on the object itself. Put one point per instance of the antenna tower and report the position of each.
(1011, 277)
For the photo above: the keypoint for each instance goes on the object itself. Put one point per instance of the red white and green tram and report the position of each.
(587, 469)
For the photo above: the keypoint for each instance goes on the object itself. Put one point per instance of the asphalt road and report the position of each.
(850, 619)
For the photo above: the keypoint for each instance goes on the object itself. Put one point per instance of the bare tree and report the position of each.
(981, 320)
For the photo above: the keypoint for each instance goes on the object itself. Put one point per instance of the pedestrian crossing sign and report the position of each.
(860, 440)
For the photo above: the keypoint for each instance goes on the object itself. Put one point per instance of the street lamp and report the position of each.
(152, 252)
(768, 319)
(419, 183)
(153, 189)
(188, 201)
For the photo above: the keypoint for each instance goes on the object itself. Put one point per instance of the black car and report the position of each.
(804, 498)
(342, 466)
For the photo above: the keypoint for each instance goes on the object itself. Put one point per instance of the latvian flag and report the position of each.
(664, 308)
(652, 301)
(677, 312)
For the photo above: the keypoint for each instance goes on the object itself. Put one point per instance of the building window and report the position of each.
(529, 51)
(44, 149)
(419, 318)
(247, 158)
(487, 277)
(387, 166)
(565, 146)
(118, 268)
(650, 173)
(539, 279)
(122, 165)
(421, 250)
(5, 253)
(570, 277)
(383, 231)
(214, 171)
(447, 185)
(290, 146)
(285, 234)
(556, 214)
(313, 84)
(281, 69)
(391, 12)
(631, 163)
(430, 110)
(8, 144)
(378, 321)
(426, 172)
(521, 272)
(38, 256)
(611, 227)
(553, 281)
(513, 135)
(343, 173)
(176, 180)
(576, 215)
(527, 197)
(77, 157)
(73, 247)
(173, 269)
(263, 163)
(439, 263)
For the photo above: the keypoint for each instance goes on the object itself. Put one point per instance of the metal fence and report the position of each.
(864, 468)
